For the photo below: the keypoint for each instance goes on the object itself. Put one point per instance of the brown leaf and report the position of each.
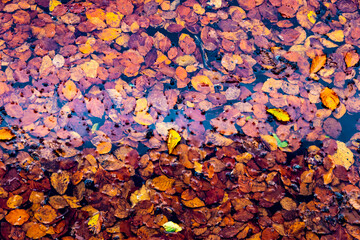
(60, 181)
(45, 214)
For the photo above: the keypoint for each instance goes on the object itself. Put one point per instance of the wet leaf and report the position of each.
(173, 139)
(109, 34)
(6, 134)
(90, 68)
(103, 147)
(17, 217)
(14, 201)
(143, 118)
(282, 144)
(343, 156)
(279, 114)
(317, 63)
(60, 181)
(351, 59)
(193, 203)
(171, 227)
(139, 195)
(202, 84)
(329, 98)
(45, 214)
(69, 90)
(36, 231)
(162, 183)
(95, 223)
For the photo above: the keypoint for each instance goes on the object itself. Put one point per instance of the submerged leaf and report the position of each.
(173, 139)
(279, 114)
(280, 143)
(171, 227)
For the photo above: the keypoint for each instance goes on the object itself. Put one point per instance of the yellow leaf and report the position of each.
(162, 183)
(139, 195)
(312, 17)
(45, 214)
(329, 98)
(269, 141)
(53, 4)
(317, 63)
(173, 139)
(198, 167)
(109, 34)
(143, 118)
(86, 48)
(336, 36)
(90, 68)
(14, 201)
(193, 203)
(60, 181)
(72, 201)
(6, 134)
(112, 19)
(69, 90)
(351, 59)
(202, 84)
(343, 156)
(95, 223)
(185, 60)
(279, 114)
(103, 147)
(141, 105)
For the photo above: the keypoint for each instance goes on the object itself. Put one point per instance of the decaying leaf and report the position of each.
(173, 139)
(202, 84)
(140, 195)
(14, 201)
(95, 223)
(279, 114)
(329, 98)
(193, 203)
(45, 214)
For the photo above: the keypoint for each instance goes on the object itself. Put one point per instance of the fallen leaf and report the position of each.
(103, 147)
(6, 134)
(193, 203)
(171, 227)
(343, 156)
(14, 201)
(109, 34)
(17, 217)
(139, 195)
(202, 84)
(53, 4)
(60, 181)
(36, 231)
(69, 90)
(45, 214)
(329, 98)
(90, 68)
(162, 183)
(317, 63)
(143, 118)
(95, 223)
(280, 114)
(336, 36)
(173, 139)
(351, 59)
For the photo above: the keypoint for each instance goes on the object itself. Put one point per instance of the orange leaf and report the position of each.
(351, 59)
(69, 90)
(162, 183)
(14, 201)
(6, 134)
(143, 118)
(109, 34)
(36, 231)
(60, 181)
(103, 147)
(45, 214)
(329, 98)
(17, 217)
(202, 84)
(317, 63)
(193, 203)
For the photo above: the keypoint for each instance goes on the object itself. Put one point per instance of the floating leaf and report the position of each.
(336, 36)
(351, 59)
(280, 114)
(317, 63)
(17, 217)
(69, 90)
(171, 227)
(162, 183)
(343, 156)
(280, 143)
(36, 231)
(90, 68)
(143, 118)
(173, 139)
(202, 84)
(329, 98)
(103, 147)
(109, 34)
(6, 134)
(311, 16)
